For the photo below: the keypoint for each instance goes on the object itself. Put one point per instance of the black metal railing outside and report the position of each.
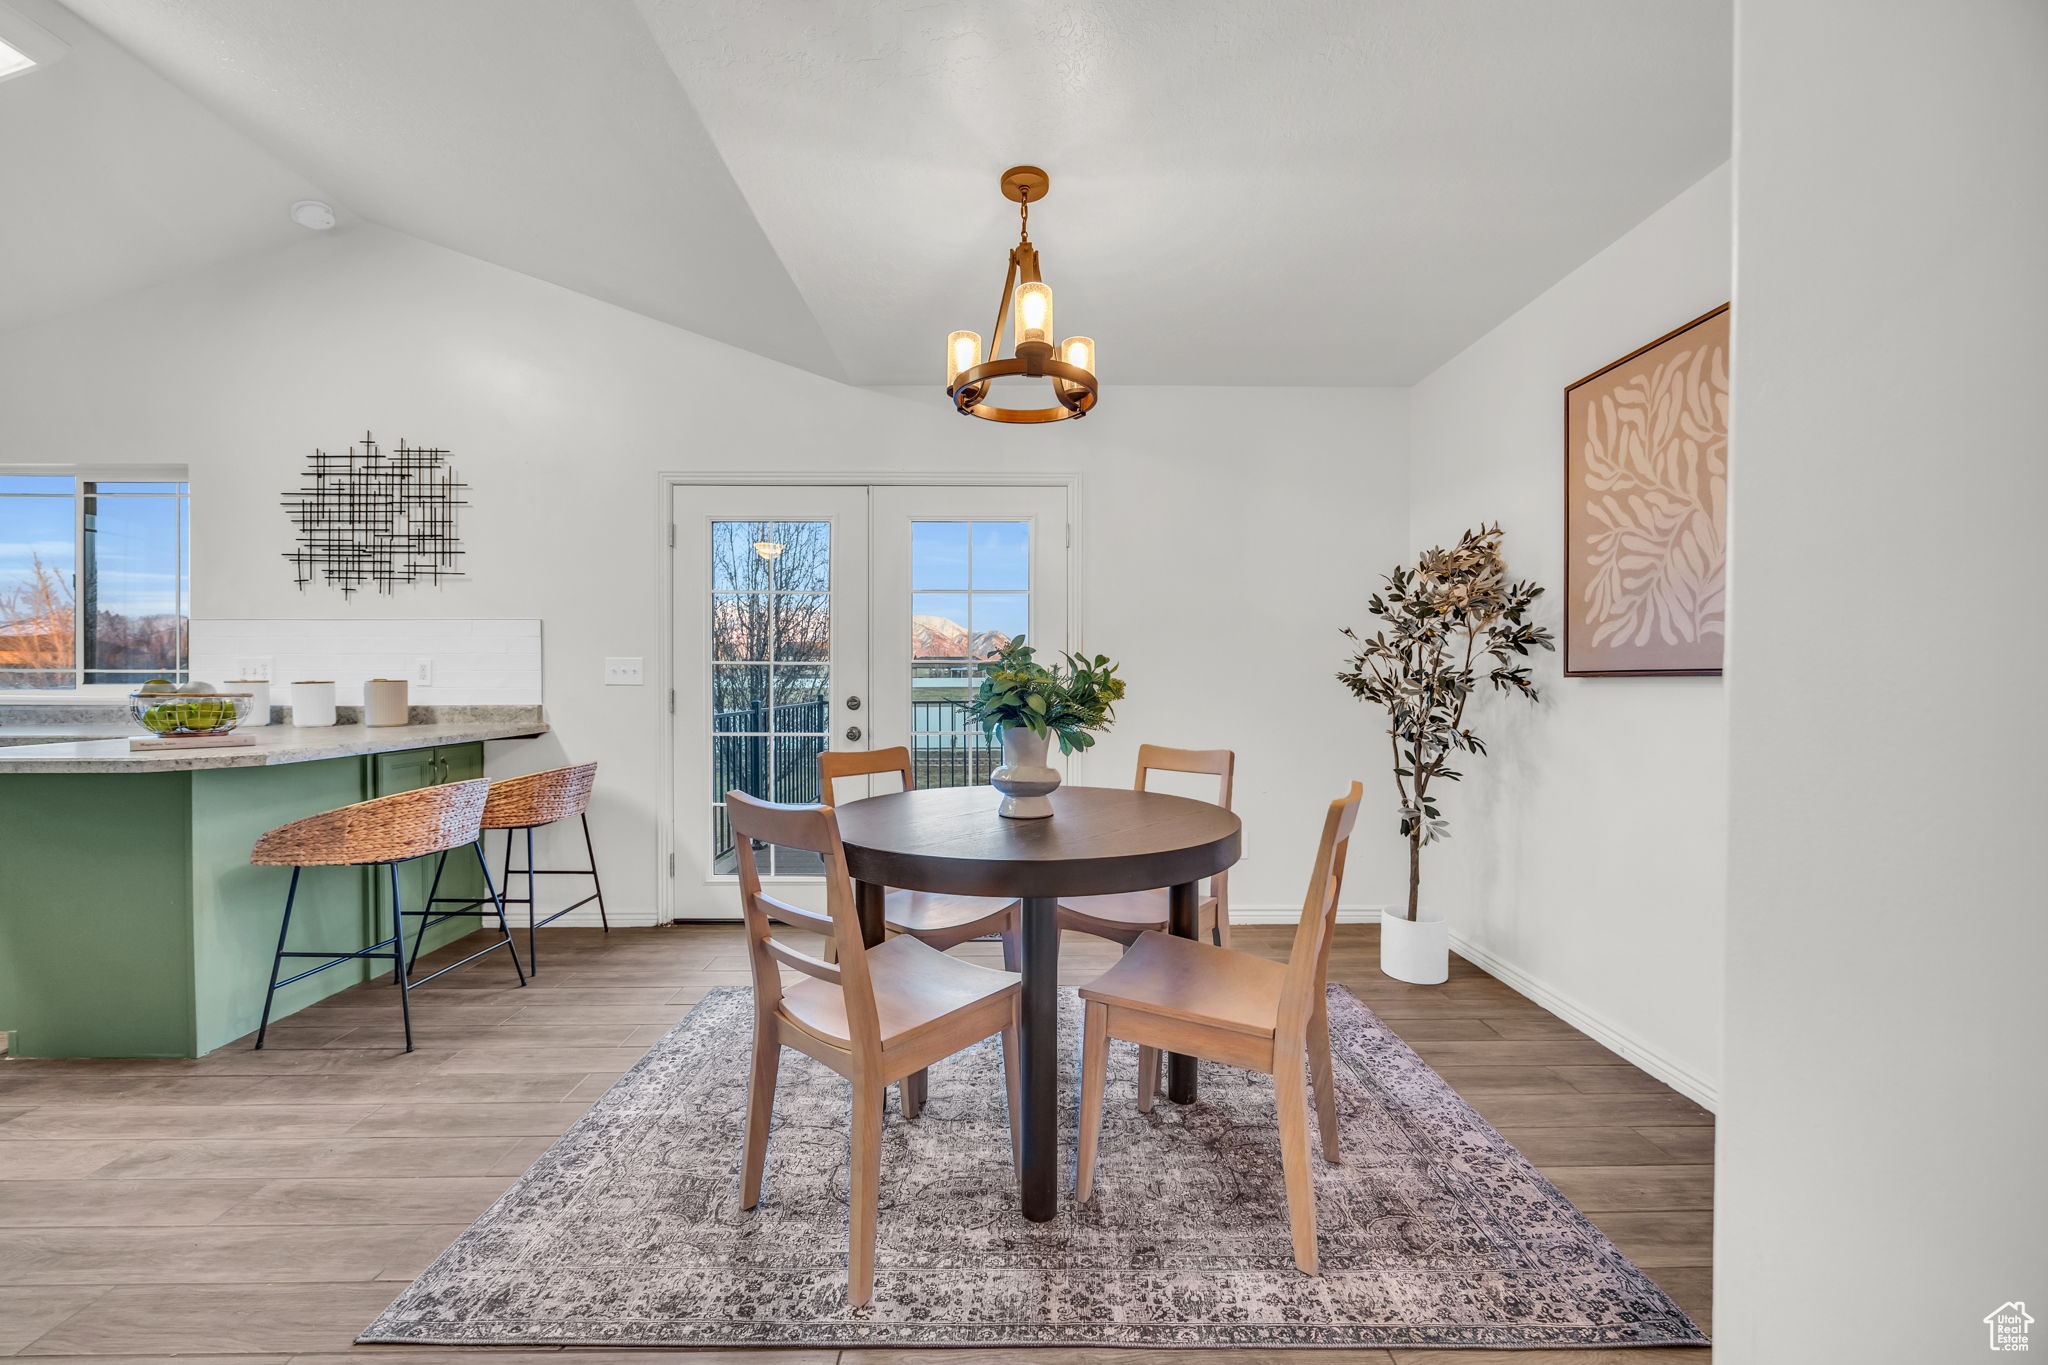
(772, 752)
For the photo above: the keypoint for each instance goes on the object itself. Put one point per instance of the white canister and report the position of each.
(384, 702)
(256, 710)
(312, 703)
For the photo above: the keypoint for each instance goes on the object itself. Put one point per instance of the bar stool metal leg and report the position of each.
(398, 958)
(532, 908)
(596, 882)
(278, 961)
(504, 925)
(427, 912)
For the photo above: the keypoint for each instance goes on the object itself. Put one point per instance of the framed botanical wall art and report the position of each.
(1646, 508)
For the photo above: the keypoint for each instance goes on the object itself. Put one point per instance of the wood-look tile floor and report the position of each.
(264, 1206)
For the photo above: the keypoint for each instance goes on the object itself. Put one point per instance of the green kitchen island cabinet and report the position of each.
(131, 921)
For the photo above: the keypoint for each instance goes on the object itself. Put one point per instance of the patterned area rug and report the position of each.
(1434, 1231)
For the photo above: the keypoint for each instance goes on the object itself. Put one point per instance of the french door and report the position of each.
(810, 617)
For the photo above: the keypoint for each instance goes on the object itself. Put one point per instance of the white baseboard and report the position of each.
(1683, 1079)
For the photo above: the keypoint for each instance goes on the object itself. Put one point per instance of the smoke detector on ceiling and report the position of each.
(311, 213)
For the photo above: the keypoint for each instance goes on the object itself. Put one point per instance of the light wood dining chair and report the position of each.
(1126, 915)
(1188, 997)
(941, 921)
(875, 1016)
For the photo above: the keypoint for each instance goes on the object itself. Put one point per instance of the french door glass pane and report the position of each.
(802, 625)
(938, 555)
(971, 596)
(739, 625)
(804, 563)
(806, 685)
(771, 629)
(1002, 556)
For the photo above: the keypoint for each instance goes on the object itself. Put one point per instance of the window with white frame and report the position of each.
(95, 578)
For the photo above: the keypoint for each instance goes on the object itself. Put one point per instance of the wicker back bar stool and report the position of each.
(523, 804)
(381, 833)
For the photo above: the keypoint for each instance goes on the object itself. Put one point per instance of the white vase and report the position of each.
(1417, 950)
(1025, 780)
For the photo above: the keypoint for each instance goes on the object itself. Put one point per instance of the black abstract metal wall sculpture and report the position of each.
(368, 518)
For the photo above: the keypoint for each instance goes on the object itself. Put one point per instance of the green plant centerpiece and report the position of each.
(1030, 705)
(1450, 621)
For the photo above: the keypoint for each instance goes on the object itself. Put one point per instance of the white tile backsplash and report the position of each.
(476, 663)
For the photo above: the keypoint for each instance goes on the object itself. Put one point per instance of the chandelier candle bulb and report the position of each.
(1080, 353)
(963, 352)
(1034, 313)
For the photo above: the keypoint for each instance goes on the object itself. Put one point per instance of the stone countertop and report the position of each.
(12, 735)
(274, 743)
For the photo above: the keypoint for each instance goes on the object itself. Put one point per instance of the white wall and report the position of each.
(1585, 863)
(1879, 1186)
(1217, 526)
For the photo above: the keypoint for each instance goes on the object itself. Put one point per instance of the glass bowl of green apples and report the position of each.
(196, 708)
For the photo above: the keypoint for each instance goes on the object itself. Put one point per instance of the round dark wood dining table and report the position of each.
(1097, 841)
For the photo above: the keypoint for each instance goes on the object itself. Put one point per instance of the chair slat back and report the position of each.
(834, 764)
(1217, 763)
(1308, 962)
(816, 829)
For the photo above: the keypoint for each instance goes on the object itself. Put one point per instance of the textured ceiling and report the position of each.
(1243, 191)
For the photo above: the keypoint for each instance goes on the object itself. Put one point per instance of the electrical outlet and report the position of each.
(422, 672)
(623, 673)
(252, 669)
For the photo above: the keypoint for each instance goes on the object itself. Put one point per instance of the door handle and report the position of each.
(853, 703)
(853, 734)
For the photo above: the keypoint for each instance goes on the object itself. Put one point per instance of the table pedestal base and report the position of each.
(1039, 1052)
(1183, 920)
(1039, 1046)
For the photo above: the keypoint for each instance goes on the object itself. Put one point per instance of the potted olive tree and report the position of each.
(1451, 620)
(1030, 705)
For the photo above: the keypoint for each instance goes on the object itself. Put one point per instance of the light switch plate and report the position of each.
(252, 669)
(422, 672)
(623, 673)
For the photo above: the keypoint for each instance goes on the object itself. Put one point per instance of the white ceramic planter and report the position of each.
(1025, 780)
(1417, 950)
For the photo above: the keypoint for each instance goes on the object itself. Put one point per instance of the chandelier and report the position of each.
(1070, 366)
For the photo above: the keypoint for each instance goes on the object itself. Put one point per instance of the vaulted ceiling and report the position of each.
(1243, 191)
